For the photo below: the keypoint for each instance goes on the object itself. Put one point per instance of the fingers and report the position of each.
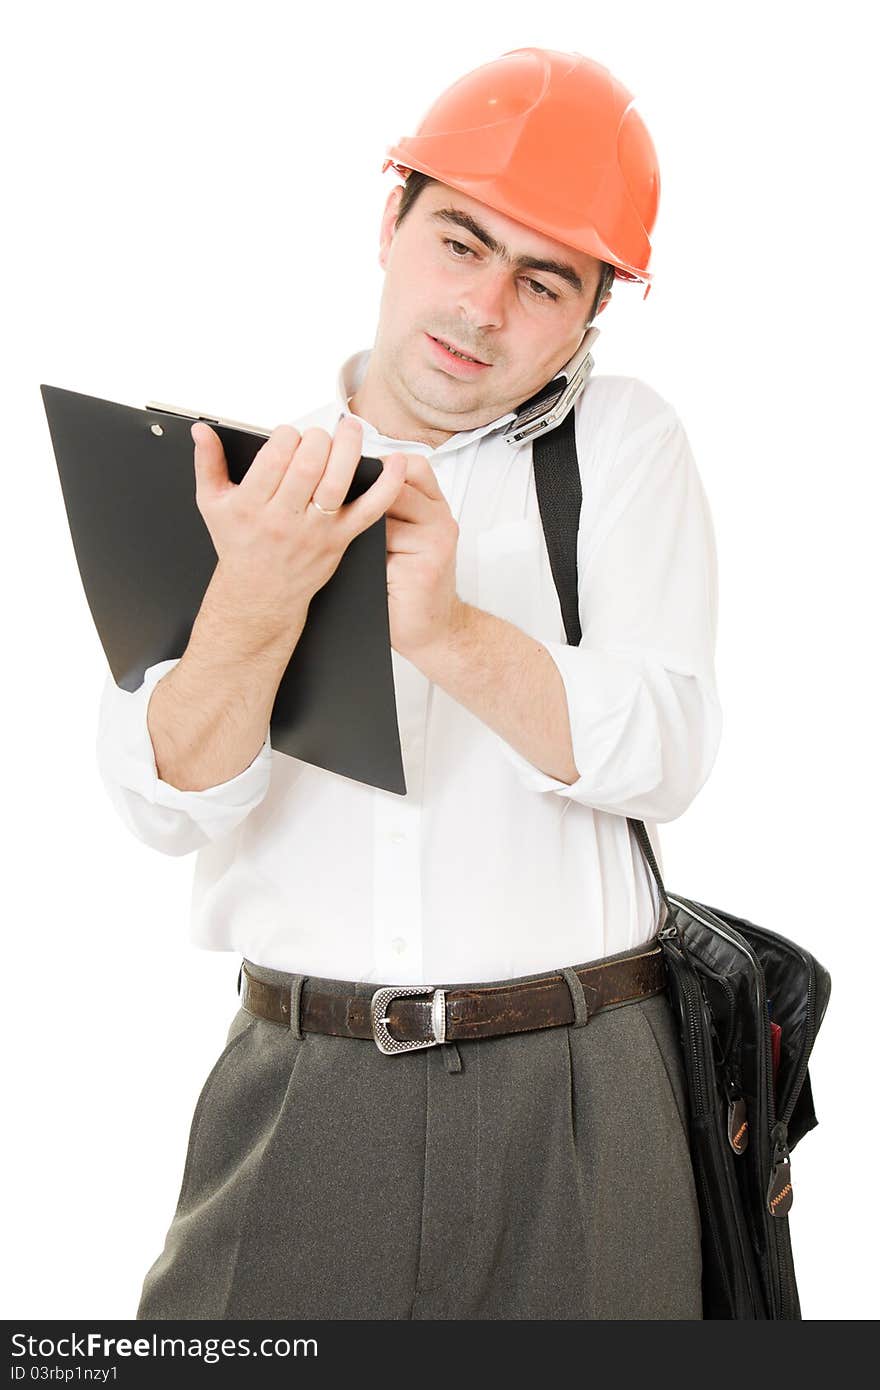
(324, 466)
(420, 475)
(292, 468)
(412, 505)
(209, 463)
(373, 503)
(269, 468)
(341, 464)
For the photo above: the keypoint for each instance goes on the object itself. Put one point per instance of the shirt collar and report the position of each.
(350, 376)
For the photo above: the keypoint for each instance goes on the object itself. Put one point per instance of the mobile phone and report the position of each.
(547, 407)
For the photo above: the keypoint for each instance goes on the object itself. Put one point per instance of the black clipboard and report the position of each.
(145, 558)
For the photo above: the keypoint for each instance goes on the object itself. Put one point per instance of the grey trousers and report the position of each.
(537, 1175)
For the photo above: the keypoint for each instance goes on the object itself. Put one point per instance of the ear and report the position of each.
(386, 233)
(605, 301)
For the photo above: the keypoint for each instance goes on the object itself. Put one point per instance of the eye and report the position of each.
(460, 244)
(542, 290)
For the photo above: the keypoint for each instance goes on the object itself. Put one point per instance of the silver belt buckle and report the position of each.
(379, 1018)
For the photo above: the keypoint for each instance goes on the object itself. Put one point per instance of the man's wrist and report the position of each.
(434, 656)
(229, 627)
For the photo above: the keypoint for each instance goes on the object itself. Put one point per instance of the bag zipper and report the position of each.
(705, 1112)
(737, 1112)
(737, 1117)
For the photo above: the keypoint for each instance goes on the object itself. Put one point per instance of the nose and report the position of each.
(481, 303)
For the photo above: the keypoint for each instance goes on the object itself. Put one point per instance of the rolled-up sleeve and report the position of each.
(641, 690)
(162, 816)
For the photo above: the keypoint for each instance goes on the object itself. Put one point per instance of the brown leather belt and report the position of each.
(400, 1018)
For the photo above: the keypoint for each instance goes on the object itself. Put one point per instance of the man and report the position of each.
(506, 1136)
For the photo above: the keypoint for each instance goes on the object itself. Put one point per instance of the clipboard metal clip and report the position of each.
(194, 415)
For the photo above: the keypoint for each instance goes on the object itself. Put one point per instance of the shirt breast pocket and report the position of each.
(512, 573)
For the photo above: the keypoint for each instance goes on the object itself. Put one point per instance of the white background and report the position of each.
(193, 195)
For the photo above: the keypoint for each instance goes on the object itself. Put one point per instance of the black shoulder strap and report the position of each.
(558, 485)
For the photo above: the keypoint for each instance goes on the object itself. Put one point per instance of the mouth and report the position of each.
(452, 354)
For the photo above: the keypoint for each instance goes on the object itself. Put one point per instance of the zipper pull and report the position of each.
(737, 1114)
(779, 1191)
(737, 1124)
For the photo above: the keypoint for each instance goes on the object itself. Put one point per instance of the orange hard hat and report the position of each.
(553, 141)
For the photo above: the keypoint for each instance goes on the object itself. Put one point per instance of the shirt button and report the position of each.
(398, 945)
(398, 837)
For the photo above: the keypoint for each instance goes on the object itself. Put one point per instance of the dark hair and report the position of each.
(416, 181)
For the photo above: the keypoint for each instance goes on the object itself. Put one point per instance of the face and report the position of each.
(459, 272)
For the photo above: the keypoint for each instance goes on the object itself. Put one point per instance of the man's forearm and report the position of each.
(207, 717)
(510, 682)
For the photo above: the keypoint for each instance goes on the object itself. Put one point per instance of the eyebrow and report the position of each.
(458, 218)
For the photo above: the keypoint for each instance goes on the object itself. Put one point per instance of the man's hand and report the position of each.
(504, 677)
(422, 542)
(275, 550)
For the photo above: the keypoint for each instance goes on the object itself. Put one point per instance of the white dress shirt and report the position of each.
(487, 868)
